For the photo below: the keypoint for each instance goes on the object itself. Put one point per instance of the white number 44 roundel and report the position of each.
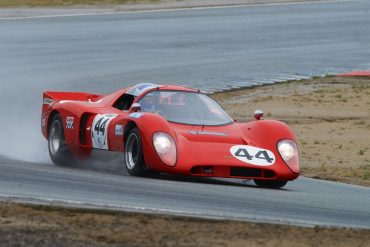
(253, 155)
(99, 133)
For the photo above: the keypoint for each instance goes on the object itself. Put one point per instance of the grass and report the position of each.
(366, 175)
(62, 3)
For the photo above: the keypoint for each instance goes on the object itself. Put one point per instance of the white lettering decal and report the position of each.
(119, 130)
(69, 122)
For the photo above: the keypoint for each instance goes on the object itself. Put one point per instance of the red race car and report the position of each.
(170, 129)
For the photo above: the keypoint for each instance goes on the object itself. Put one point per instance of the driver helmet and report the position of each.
(149, 102)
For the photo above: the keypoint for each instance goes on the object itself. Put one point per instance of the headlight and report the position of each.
(289, 152)
(165, 147)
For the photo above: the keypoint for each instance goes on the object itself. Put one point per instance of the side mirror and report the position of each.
(258, 114)
(136, 107)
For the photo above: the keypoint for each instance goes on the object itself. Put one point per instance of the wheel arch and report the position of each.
(51, 116)
(138, 167)
(129, 126)
(148, 124)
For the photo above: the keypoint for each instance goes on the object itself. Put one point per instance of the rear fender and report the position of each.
(74, 126)
(51, 98)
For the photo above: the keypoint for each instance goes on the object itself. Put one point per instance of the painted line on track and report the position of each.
(175, 9)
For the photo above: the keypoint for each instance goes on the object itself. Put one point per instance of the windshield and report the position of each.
(184, 107)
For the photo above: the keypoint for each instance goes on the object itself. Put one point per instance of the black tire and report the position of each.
(273, 184)
(58, 149)
(134, 158)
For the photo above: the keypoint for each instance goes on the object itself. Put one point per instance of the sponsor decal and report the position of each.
(69, 122)
(136, 115)
(119, 130)
(47, 101)
(212, 133)
(253, 155)
(99, 133)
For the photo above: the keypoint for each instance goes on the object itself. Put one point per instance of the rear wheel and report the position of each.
(134, 158)
(58, 149)
(270, 183)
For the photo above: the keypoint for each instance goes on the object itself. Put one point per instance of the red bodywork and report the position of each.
(200, 152)
(356, 73)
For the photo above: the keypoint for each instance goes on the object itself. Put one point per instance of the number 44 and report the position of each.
(263, 155)
(100, 126)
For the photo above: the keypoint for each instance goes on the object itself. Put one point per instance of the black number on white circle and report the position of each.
(263, 155)
(100, 126)
(242, 152)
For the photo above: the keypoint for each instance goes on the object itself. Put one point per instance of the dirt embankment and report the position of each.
(331, 119)
(25, 225)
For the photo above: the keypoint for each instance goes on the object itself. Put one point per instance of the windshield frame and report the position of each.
(210, 99)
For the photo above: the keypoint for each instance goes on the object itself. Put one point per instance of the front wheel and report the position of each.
(58, 149)
(273, 184)
(134, 158)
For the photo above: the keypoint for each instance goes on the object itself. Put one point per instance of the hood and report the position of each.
(213, 134)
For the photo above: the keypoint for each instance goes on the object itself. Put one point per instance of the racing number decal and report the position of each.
(99, 133)
(100, 125)
(253, 155)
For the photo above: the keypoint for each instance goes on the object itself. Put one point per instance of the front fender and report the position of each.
(148, 124)
(266, 133)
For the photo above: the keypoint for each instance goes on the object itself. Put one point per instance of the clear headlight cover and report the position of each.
(165, 147)
(289, 152)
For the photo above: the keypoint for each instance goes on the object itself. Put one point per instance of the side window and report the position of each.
(124, 102)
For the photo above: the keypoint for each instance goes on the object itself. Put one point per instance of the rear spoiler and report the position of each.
(50, 98)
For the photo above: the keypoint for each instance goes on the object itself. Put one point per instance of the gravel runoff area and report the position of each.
(331, 119)
(21, 9)
(32, 225)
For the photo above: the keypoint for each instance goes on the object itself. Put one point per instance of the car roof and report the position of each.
(142, 88)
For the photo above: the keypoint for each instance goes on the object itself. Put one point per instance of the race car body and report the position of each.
(169, 129)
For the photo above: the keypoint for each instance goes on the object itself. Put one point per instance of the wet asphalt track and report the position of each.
(303, 202)
(210, 49)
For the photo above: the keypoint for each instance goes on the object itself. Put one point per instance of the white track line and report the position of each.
(175, 9)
